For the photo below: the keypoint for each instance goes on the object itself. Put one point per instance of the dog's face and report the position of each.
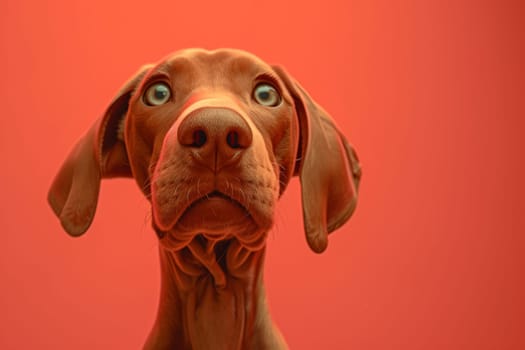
(212, 139)
(211, 153)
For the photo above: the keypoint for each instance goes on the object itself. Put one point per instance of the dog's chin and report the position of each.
(215, 216)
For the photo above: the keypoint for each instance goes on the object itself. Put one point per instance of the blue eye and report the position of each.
(266, 95)
(157, 94)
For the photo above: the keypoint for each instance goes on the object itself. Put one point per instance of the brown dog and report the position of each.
(212, 139)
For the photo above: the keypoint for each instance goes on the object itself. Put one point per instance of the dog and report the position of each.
(212, 139)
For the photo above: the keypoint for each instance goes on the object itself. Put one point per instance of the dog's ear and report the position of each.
(327, 165)
(100, 153)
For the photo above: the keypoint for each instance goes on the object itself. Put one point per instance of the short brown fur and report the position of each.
(213, 163)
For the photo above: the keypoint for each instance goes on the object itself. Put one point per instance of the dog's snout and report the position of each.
(215, 134)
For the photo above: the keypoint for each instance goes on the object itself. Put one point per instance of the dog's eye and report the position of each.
(157, 94)
(266, 95)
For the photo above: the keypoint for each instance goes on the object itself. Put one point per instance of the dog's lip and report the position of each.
(214, 195)
(232, 220)
(215, 213)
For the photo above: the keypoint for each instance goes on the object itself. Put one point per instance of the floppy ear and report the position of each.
(100, 153)
(327, 165)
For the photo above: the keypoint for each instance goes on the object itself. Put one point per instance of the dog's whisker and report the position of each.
(146, 187)
(279, 165)
(188, 194)
(198, 187)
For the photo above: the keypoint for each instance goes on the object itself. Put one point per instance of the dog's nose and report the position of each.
(216, 135)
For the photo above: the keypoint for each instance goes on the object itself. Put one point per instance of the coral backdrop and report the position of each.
(431, 94)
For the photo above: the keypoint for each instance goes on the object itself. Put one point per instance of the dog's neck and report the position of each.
(212, 297)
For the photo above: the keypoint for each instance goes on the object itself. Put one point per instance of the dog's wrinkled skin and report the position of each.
(212, 139)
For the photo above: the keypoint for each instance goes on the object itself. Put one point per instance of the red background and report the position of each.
(431, 93)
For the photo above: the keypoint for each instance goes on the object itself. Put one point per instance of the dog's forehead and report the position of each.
(220, 59)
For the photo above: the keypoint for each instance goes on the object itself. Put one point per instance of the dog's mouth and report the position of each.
(210, 224)
(214, 214)
(216, 195)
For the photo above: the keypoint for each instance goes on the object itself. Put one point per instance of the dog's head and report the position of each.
(212, 138)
